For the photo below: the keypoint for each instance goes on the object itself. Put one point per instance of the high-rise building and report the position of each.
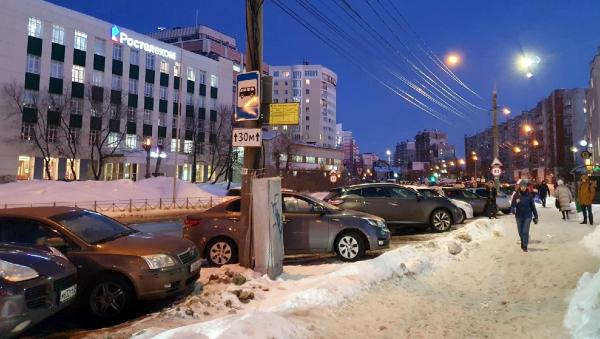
(351, 151)
(314, 87)
(404, 154)
(593, 108)
(82, 80)
(428, 144)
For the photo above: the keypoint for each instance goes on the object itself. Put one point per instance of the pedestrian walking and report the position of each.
(585, 197)
(523, 206)
(563, 199)
(491, 208)
(543, 191)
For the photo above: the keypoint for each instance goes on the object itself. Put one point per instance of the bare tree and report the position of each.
(106, 130)
(70, 145)
(38, 113)
(220, 149)
(283, 145)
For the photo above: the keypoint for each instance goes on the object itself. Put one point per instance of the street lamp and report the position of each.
(147, 146)
(517, 149)
(583, 143)
(527, 128)
(453, 60)
(535, 143)
(389, 155)
(574, 149)
(526, 63)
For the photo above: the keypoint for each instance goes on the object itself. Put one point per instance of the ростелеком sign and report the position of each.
(123, 38)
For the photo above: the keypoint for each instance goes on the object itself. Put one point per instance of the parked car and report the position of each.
(310, 226)
(463, 194)
(35, 283)
(502, 199)
(398, 205)
(116, 265)
(466, 208)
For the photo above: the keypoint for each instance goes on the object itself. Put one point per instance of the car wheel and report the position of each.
(221, 251)
(440, 220)
(110, 298)
(350, 246)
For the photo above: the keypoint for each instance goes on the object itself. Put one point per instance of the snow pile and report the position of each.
(218, 189)
(583, 314)
(301, 290)
(47, 191)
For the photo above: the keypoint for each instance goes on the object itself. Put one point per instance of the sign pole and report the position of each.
(251, 155)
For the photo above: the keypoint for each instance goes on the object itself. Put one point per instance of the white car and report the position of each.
(465, 207)
(503, 200)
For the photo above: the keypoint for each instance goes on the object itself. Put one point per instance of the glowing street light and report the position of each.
(505, 110)
(517, 149)
(574, 149)
(526, 63)
(583, 143)
(461, 161)
(527, 128)
(453, 59)
(389, 155)
(535, 143)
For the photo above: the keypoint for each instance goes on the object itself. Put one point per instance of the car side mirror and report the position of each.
(56, 242)
(319, 209)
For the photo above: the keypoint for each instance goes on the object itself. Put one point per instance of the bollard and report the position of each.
(187, 203)
(210, 204)
(160, 203)
(129, 205)
(95, 206)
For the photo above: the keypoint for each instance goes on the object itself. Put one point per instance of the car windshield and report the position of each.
(92, 227)
(428, 193)
(323, 203)
(470, 195)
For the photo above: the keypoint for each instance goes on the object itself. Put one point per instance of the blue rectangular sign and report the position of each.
(248, 96)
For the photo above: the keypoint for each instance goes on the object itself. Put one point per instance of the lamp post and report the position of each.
(389, 156)
(147, 146)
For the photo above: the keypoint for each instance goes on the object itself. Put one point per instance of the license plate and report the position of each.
(68, 294)
(195, 265)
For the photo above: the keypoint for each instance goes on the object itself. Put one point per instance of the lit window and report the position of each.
(164, 67)
(163, 93)
(35, 27)
(131, 141)
(307, 81)
(80, 41)
(188, 145)
(213, 80)
(174, 145)
(57, 69)
(133, 86)
(202, 77)
(285, 74)
(117, 53)
(113, 139)
(177, 69)
(134, 57)
(116, 82)
(58, 34)
(78, 74)
(149, 61)
(33, 64)
(99, 46)
(97, 78)
(190, 74)
(307, 100)
(147, 117)
(148, 89)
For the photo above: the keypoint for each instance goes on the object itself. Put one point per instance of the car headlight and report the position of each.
(156, 261)
(15, 272)
(375, 222)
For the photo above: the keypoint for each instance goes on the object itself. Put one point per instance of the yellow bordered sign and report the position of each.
(284, 114)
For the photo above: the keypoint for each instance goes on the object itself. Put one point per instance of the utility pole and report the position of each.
(253, 60)
(495, 132)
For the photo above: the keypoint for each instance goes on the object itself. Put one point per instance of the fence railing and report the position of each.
(132, 205)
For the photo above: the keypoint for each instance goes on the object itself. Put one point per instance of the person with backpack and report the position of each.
(585, 197)
(563, 199)
(523, 206)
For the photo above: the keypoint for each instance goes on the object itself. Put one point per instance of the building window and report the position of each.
(117, 53)
(75, 135)
(113, 139)
(133, 86)
(27, 131)
(115, 113)
(57, 69)
(78, 74)
(174, 121)
(116, 82)
(131, 114)
(97, 78)
(188, 145)
(202, 77)
(52, 134)
(213, 104)
(58, 34)
(285, 74)
(296, 75)
(276, 74)
(190, 74)
(189, 123)
(212, 127)
(214, 81)
(177, 69)
(307, 91)
(189, 99)
(134, 57)
(76, 106)
(149, 61)
(131, 141)
(164, 67)
(93, 137)
(202, 102)
(175, 95)
(163, 93)
(162, 119)
(311, 74)
(33, 64)
(147, 117)
(99, 46)
(276, 92)
(307, 100)
(174, 145)
(34, 28)
(148, 89)
(80, 41)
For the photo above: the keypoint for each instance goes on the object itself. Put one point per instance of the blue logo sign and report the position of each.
(115, 33)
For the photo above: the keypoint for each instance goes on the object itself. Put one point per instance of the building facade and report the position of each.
(314, 87)
(593, 108)
(432, 146)
(96, 80)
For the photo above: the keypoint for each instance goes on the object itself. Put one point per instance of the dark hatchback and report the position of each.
(35, 283)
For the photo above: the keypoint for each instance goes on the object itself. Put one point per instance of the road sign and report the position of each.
(586, 154)
(496, 163)
(496, 171)
(284, 114)
(333, 178)
(248, 96)
(246, 137)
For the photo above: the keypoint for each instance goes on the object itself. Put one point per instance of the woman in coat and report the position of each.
(585, 197)
(563, 199)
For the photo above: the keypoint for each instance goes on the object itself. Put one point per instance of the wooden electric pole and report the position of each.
(253, 62)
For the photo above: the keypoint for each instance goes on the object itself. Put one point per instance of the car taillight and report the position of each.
(336, 202)
(187, 223)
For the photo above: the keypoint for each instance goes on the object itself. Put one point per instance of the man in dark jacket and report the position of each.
(543, 191)
(523, 206)
(491, 208)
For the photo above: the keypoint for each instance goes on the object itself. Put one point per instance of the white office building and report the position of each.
(81, 83)
(314, 87)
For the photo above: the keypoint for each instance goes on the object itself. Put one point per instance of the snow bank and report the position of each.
(583, 314)
(218, 189)
(46, 191)
(300, 290)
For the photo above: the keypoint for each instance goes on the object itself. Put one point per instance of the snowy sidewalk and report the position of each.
(497, 292)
